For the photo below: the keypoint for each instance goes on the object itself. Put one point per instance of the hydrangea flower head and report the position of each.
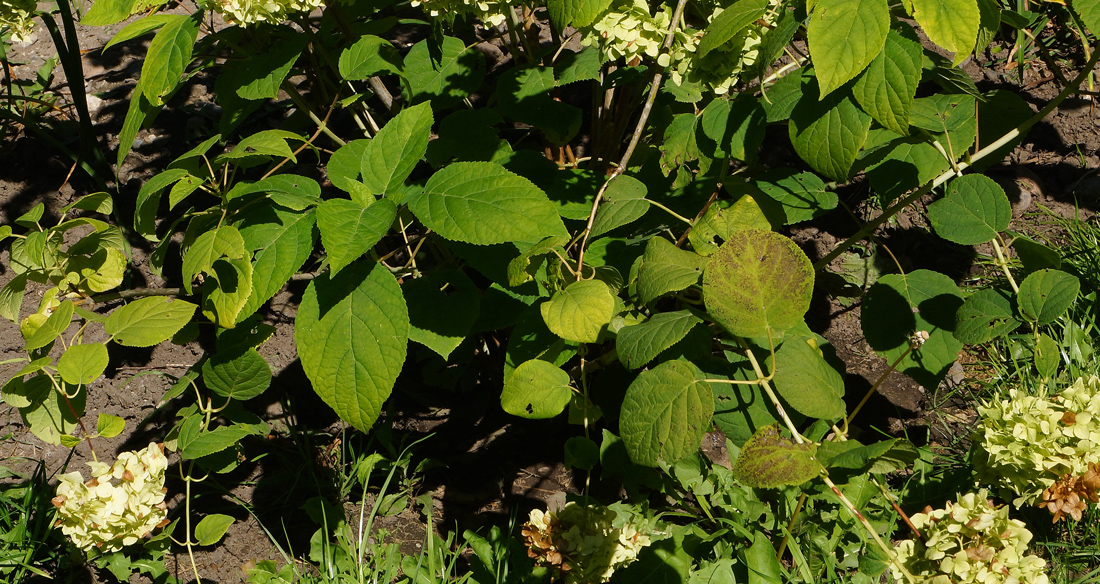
(121, 503)
(246, 12)
(1025, 443)
(585, 544)
(971, 541)
(18, 17)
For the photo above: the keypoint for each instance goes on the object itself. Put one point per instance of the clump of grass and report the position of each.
(28, 544)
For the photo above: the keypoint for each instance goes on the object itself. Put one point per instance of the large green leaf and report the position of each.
(211, 528)
(887, 88)
(226, 291)
(536, 389)
(665, 413)
(83, 364)
(951, 24)
(666, 268)
(148, 321)
(770, 460)
(897, 306)
(220, 242)
(730, 22)
(802, 194)
(807, 381)
(623, 203)
(349, 230)
(352, 335)
(106, 12)
(148, 200)
(950, 118)
(48, 414)
(482, 203)
(446, 76)
(974, 210)
(1089, 11)
(580, 311)
(576, 13)
(639, 344)
(986, 315)
(367, 57)
(55, 324)
(168, 57)
(758, 281)
(238, 376)
(443, 306)
(282, 241)
(844, 36)
(390, 156)
(1047, 294)
(828, 134)
(903, 164)
(737, 126)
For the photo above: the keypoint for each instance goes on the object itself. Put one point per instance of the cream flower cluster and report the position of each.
(18, 17)
(246, 12)
(119, 505)
(1025, 443)
(630, 32)
(585, 543)
(490, 13)
(971, 541)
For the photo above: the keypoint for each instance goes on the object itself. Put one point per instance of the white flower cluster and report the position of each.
(246, 12)
(490, 13)
(18, 17)
(119, 505)
(630, 32)
(585, 544)
(1025, 443)
(971, 541)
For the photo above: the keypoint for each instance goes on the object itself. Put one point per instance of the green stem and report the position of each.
(1012, 134)
(1003, 264)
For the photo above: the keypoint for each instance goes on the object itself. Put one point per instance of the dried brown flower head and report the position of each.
(1070, 495)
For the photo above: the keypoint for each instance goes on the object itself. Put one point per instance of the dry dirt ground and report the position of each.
(485, 466)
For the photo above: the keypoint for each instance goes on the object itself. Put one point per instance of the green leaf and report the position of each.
(988, 25)
(986, 315)
(482, 203)
(737, 126)
(282, 241)
(844, 36)
(83, 364)
(55, 324)
(758, 281)
(974, 210)
(951, 119)
(770, 460)
(763, 566)
(780, 99)
(665, 413)
(139, 112)
(148, 201)
(443, 306)
(49, 415)
(134, 29)
(523, 94)
(726, 217)
(680, 144)
(265, 143)
(851, 454)
(445, 77)
(576, 13)
(391, 155)
(168, 57)
(11, 297)
(1034, 255)
(887, 88)
(268, 67)
(581, 452)
(148, 321)
(108, 426)
(666, 268)
(213, 441)
(105, 12)
(1047, 294)
(96, 202)
(369, 56)
(897, 305)
(641, 343)
(807, 381)
(226, 291)
(579, 312)
(1089, 11)
(624, 202)
(531, 339)
(220, 242)
(536, 390)
(1047, 356)
(518, 272)
(211, 528)
(344, 168)
(828, 134)
(348, 230)
(241, 376)
(730, 22)
(902, 165)
(951, 24)
(352, 335)
(802, 194)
